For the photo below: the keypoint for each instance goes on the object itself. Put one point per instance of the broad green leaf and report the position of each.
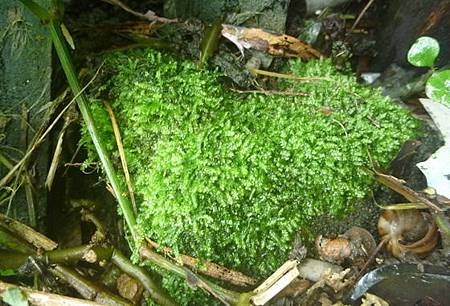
(438, 87)
(423, 52)
(38, 10)
(14, 297)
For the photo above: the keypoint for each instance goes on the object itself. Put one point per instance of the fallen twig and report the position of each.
(40, 298)
(36, 143)
(364, 10)
(370, 259)
(275, 283)
(150, 15)
(91, 254)
(27, 233)
(398, 186)
(121, 150)
(140, 274)
(87, 288)
(271, 92)
(255, 71)
(231, 297)
(210, 269)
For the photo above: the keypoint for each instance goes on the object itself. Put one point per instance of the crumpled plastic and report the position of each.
(437, 168)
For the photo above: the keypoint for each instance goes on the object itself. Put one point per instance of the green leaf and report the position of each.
(38, 10)
(210, 42)
(14, 297)
(423, 52)
(438, 87)
(67, 36)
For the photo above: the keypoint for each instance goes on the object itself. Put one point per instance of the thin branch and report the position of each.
(370, 259)
(27, 233)
(231, 297)
(140, 274)
(87, 288)
(40, 298)
(271, 92)
(88, 253)
(287, 76)
(36, 144)
(150, 15)
(210, 269)
(123, 159)
(364, 10)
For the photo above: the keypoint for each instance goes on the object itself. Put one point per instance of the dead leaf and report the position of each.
(373, 300)
(273, 44)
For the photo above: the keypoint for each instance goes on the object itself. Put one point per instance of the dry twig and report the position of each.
(364, 10)
(150, 15)
(210, 269)
(40, 139)
(40, 298)
(123, 159)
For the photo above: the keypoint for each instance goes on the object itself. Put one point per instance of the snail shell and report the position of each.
(333, 250)
(355, 245)
(408, 231)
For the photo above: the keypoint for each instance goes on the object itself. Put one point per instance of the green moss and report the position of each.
(231, 178)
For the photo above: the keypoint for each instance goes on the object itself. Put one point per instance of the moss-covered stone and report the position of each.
(231, 178)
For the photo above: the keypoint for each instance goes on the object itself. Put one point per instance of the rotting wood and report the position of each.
(210, 269)
(28, 234)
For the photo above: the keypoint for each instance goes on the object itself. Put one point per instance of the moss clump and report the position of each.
(231, 178)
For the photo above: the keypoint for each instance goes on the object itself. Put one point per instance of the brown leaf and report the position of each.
(274, 44)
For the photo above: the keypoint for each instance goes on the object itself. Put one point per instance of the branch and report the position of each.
(83, 104)
(27, 233)
(230, 297)
(40, 298)
(87, 288)
(91, 254)
(398, 186)
(210, 269)
(140, 274)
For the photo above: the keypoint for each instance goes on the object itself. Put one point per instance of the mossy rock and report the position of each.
(232, 177)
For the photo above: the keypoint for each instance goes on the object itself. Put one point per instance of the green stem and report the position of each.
(12, 260)
(229, 296)
(74, 254)
(87, 288)
(9, 241)
(83, 105)
(157, 293)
